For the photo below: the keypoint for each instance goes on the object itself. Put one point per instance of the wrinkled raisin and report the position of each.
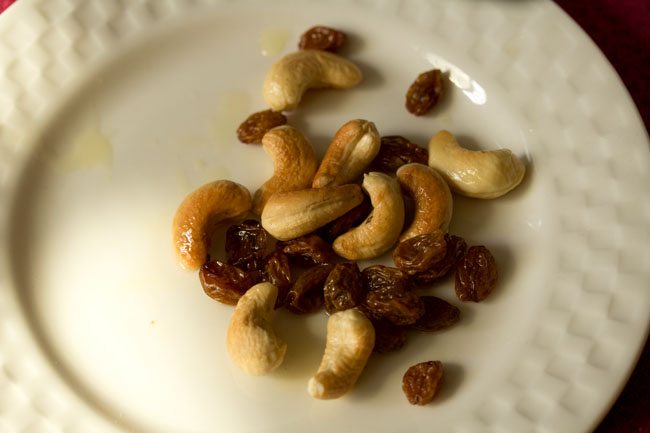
(396, 151)
(348, 220)
(322, 38)
(278, 272)
(456, 248)
(247, 244)
(476, 274)
(343, 288)
(379, 277)
(438, 315)
(226, 283)
(309, 250)
(257, 124)
(306, 294)
(421, 382)
(424, 93)
(400, 307)
(388, 337)
(419, 253)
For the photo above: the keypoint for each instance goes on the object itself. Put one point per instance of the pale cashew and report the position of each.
(350, 340)
(251, 342)
(288, 215)
(294, 73)
(379, 232)
(294, 164)
(475, 173)
(214, 203)
(431, 196)
(352, 149)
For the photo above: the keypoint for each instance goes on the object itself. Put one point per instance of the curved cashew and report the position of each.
(432, 197)
(380, 230)
(352, 149)
(214, 203)
(294, 73)
(288, 215)
(350, 339)
(294, 164)
(480, 174)
(251, 342)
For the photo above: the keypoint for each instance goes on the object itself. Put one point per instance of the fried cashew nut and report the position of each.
(475, 173)
(293, 74)
(350, 339)
(379, 232)
(431, 196)
(294, 164)
(251, 342)
(215, 203)
(288, 215)
(352, 149)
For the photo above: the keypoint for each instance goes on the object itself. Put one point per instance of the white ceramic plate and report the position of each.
(112, 111)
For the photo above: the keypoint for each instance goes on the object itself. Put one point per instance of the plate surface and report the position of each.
(111, 112)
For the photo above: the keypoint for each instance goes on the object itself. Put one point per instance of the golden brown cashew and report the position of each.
(380, 230)
(475, 173)
(251, 342)
(432, 198)
(288, 215)
(352, 149)
(294, 164)
(293, 74)
(214, 203)
(350, 339)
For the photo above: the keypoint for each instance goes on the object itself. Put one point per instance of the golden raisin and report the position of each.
(257, 124)
(396, 151)
(421, 382)
(476, 274)
(322, 38)
(424, 93)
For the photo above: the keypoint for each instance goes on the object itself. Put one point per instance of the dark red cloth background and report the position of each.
(621, 28)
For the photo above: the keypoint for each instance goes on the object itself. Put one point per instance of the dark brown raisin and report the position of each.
(388, 337)
(343, 288)
(424, 93)
(308, 250)
(306, 294)
(400, 307)
(226, 283)
(421, 382)
(257, 124)
(344, 223)
(456, 248)
(420, 253)
(247, 244)
(278, 272)
(438, 315)
(322, 38)
(476, 274)
(379, 277)
(396, 151)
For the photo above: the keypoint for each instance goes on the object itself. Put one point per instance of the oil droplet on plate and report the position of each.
(273, 41)
(90, 148)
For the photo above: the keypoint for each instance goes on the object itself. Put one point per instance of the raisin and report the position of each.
(379, 277)
(348, 220)
(456, 248)
(306, 294)
(278, 272)
(257, 124)
(476, 274)
(400, 307)
(438, 315)
(424, 93)
(322, 38)
(343, 288)
(309, 250)
(388, 337)
(419, 253)
(396, 151)
(247, 244)
(226, 283)
(421, 382)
